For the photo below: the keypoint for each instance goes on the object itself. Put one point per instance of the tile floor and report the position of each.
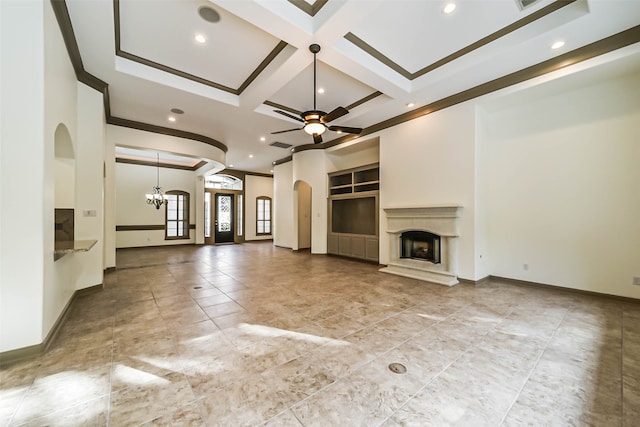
(256, 335)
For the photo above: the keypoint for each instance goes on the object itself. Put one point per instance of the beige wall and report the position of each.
(40, 93)
(562, 185)
(132, 183)
(430, 161)
(283, 233)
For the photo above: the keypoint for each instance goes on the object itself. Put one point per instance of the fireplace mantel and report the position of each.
(442, 220)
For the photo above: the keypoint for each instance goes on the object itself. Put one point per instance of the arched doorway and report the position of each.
(302, 214)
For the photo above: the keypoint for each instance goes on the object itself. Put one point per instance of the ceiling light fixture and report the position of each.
(321, 91)
(200, 38)
(263, 139)
(172, 119)
(410, 105)
(557, 45)
(315, 121)
(177, 111)
(251, 156)
(230, 166)
(157, 198)
(449, 8)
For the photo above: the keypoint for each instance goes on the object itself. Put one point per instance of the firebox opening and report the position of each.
(420, 245)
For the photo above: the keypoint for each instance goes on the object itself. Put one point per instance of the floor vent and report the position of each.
(280, 144)
(524, 4)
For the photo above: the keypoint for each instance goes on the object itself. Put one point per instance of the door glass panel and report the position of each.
(224, 213)
(207, 214)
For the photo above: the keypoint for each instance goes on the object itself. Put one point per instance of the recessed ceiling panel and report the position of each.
(165, 32)
(154, 156)
(418, 33)
(338, 90)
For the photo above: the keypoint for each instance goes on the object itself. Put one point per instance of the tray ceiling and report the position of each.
(377, 56)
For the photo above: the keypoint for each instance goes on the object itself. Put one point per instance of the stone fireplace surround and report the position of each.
(442, 220)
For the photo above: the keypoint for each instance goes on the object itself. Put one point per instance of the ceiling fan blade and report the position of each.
(317, 138)
(345, 129)
(336, 113)
(283, 131)
(291, 116)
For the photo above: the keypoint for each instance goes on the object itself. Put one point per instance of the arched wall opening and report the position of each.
(65, 168)
(302, 215)
(65, 184)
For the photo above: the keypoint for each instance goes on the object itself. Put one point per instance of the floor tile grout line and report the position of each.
(533, 368)
(450, 363)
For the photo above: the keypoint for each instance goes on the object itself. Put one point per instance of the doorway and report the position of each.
(224, 215)
(303, 191)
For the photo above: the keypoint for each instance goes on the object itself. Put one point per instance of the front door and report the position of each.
(223, 225)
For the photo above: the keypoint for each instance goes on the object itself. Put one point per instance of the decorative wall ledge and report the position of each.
(69, 246)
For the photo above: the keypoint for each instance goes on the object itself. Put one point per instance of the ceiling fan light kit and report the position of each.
(315, 121)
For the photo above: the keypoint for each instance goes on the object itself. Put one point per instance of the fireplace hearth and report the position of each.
(423, 243)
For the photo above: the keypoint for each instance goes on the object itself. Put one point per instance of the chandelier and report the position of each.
(157, 198)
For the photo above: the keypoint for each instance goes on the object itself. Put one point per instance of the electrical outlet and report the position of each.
(636, 280)
(525, 267)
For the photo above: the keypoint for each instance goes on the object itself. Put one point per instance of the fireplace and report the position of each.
(423, 243)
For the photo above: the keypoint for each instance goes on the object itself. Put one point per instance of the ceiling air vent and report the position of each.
(524, 4)
(280, 144)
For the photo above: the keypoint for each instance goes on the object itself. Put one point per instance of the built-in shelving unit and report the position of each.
(353, 212)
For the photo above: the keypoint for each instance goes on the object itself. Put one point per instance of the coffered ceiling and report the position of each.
(377, 56)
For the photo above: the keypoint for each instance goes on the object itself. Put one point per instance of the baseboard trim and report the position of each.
(518, 282)
(12, 356)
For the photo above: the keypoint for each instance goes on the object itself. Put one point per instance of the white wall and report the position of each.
(22, 246)
(61, 106)
(430, 161)
(563, 187)
(132, 183)
(89, 266)
(283, 231)
(254, 187)
(109, 202)
(360, 154)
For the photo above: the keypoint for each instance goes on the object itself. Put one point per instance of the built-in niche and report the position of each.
(353, 213)
(65, 186)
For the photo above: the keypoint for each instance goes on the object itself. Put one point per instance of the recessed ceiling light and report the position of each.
(177, 111)
(200, 38)
(410, 104)
(230, 166)
(208, 14)
(320, 90)
(251, 156)
(271, 170)
(263, 139)
(557, 45)
(172, 119)
(338, 131)
(449, 8)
